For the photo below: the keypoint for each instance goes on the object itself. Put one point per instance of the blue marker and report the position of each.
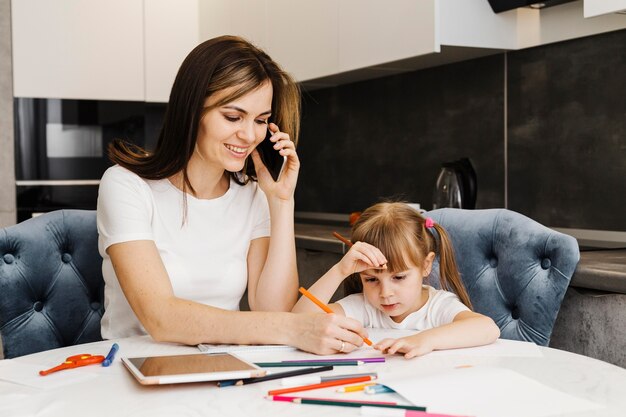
(377, 389)
(109, 359)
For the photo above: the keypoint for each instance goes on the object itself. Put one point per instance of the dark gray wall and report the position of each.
(566, 109)
(567, 132)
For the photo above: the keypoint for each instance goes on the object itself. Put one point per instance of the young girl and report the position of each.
(393, 252)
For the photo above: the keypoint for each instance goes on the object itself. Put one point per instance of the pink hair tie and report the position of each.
(429, 223)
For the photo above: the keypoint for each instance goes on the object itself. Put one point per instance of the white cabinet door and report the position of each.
(171, 32)
(373, 32)
(245, 18)
(302, 36)
(78, 49)
(598, 7)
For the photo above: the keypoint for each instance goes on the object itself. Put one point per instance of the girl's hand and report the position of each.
(411, 346)
(285, 187)
(360, 257)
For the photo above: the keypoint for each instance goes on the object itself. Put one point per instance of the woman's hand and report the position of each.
(411, 346)
(327, 334)
(360, 257)
(285, 187)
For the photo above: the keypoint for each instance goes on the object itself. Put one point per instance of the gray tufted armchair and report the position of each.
(515, 270)
(51, 286)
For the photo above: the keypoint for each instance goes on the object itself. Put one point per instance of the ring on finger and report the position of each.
(343, 345)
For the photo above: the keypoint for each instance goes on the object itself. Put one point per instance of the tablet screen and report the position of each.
(189, 364)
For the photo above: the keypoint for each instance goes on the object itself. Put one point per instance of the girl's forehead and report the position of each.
(381, 271)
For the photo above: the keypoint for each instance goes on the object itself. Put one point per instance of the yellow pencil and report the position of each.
(324, 307)
(353, 388)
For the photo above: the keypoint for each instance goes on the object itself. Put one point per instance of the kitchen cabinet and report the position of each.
(375, 40)
(132, 49)
(78, 49)
(598, 7)
(174, 28)
(302, 37)
(171, 32)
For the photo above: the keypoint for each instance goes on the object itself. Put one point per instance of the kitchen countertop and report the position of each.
(603, 270)
(320, 237)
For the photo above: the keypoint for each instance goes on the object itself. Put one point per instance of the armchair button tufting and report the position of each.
(38, 306)
(8, 258)
(493, 262)
(515, 313)
(95, 305)
(545, 263)
(66, 257)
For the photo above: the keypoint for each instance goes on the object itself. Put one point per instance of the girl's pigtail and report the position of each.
(450, 277)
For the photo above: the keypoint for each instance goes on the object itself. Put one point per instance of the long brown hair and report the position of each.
(400, 233)
(212, 66)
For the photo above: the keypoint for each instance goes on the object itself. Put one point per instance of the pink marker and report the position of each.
(395, 412)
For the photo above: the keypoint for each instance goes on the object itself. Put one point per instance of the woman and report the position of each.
(183, 231)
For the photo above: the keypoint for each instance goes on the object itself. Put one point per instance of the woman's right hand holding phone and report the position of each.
(285, 187)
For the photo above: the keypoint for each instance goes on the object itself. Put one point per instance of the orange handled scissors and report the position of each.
(74, 362)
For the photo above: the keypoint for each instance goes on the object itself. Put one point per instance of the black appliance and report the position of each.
(456, 185)
(504, 5)
(61, 148)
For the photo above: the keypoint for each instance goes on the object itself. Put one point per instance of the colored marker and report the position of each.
(365, 360)
(392, 412)
(320, 385)
(327, 401)
(377, 389)
(308, 380)
(308, 363)
(343, 239)
(344, 403)
(325, 308)
(109, 358)
(355, 388)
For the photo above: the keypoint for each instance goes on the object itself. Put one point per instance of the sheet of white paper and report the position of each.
(501, 347)
(485, 392)
(28, 374)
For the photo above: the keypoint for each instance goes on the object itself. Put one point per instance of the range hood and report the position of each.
(504, 5)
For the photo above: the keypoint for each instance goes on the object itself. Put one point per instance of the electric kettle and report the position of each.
(455, 185)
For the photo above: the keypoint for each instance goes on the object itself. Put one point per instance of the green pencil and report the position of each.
(346, 403)
(308, 363)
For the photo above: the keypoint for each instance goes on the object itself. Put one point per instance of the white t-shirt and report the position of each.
(441, 308)
(205, 258)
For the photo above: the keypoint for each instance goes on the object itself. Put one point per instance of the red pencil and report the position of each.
(321, 385)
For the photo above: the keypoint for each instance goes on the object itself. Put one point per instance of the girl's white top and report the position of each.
(441, 308)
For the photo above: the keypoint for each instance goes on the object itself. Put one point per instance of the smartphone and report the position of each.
(273, 161)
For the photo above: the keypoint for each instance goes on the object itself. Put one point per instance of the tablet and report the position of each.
(176, 369)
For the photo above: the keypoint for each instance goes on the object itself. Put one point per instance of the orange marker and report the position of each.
(324, 307)
(320, 385)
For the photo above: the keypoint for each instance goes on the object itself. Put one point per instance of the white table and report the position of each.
(113, 391)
